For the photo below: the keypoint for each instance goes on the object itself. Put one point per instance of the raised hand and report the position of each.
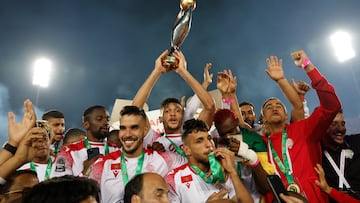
(25, 151)
(226, 82)
(207, 76)
(160, 64)
(300, 58)
(222, 82)
(300, 87)
(226, 158)
(181, 66)
(17, 131)
(275, 70)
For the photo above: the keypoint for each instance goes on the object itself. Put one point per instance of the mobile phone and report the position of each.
(92, 152)
(277, 187)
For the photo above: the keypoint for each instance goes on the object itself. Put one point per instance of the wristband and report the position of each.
(228, 101)
(255, 163)
(8, 147)
(305, 63)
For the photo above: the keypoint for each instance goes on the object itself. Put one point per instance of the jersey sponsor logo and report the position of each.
(60, 165)
(115, 168)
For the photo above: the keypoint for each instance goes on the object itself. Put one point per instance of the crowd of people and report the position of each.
(222, 154)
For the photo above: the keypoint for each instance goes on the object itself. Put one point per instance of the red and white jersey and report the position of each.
(150, 137)
(71, 157)
(175, 138)
(186, 186)
(40, 169)
(107, 171)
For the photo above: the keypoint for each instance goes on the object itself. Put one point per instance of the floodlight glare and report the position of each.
(42, 69)
(341, 42)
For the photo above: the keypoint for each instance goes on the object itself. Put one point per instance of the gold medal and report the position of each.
(293, 187)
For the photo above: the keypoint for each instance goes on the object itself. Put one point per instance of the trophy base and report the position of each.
(171, 60)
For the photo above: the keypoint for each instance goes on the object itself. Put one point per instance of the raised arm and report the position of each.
(301, 87)
(207, 114)
(275, 72)
(24, 153)
(227, 84)
(330, 104)
(17, 131)
(143, 93)
(195, 102)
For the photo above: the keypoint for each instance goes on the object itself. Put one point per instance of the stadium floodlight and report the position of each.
(42, 70)
(341, 42)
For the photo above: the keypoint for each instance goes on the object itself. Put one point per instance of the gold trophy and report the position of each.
(181, 28)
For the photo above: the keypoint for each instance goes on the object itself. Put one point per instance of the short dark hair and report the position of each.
(70, 189)
(73, 132)
(89, 110)
(193, 125)
(133, 110)
(246, 103)
(269, 99)
(170, 100)
(133, 187)
(52, 114)
(10, 179)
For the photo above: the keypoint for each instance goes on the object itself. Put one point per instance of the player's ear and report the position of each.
(135, 198)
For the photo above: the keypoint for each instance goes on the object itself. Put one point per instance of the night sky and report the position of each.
(103, 50)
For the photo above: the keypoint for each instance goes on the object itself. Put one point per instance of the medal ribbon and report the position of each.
(217, 174)
(177, 148)
(284, 167)
(88, 146)
(56, 145)
(48, 168)
(124, 172)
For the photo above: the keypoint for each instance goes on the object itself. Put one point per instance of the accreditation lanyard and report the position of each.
(217, 174)
(56, 146)
(339, 171)
(124, 172)
(177, 148)
(285, 166)
(88, 146)
(47, 171)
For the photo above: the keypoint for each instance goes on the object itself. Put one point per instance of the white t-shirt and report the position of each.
(186, 186)
(107, 171)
